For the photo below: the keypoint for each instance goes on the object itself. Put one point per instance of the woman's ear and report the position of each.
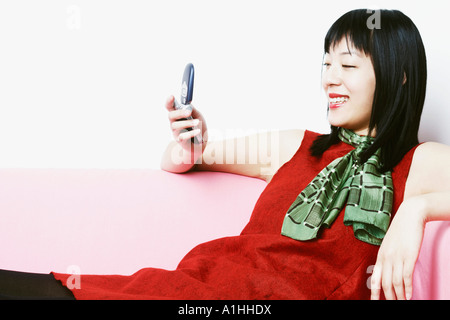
(404, 78)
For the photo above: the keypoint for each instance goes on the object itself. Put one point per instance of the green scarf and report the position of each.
(367, 194)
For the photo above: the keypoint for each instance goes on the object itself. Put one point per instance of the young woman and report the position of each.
(375, 81)
(336, 205)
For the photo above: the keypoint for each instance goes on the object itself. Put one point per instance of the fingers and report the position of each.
(175, 114)
(185, 129)
(408, 271)
(183, 126)
(170, 103)
(386, 281)
(187, 135)
(375, 284)
(395, 280)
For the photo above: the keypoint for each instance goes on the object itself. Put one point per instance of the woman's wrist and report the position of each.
(419, 207)
(430, 206)
(178, 159)
(436, 206)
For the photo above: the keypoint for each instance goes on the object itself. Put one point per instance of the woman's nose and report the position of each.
(332, 76)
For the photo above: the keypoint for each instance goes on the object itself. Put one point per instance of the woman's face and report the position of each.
(349, 83)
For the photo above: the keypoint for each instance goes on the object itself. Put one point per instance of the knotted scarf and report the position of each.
(366, 194)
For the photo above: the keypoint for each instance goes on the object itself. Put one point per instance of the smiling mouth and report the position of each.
(337, 101)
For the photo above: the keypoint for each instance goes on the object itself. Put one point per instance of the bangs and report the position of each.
(353, 28)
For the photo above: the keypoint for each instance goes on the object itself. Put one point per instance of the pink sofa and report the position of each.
(119, 221)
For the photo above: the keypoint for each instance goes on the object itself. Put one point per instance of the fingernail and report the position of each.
(196, 122)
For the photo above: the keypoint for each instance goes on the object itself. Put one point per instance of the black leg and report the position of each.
(16, 285)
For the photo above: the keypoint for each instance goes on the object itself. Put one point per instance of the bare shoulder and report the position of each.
(429, 154)
(430, 170)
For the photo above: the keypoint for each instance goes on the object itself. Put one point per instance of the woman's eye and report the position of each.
(348, 66)
(326, 64)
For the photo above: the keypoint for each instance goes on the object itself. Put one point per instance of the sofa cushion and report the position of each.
(115, 221)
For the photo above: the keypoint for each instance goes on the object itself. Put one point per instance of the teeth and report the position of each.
(338, 100)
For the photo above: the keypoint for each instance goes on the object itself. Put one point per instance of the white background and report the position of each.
(83, 83)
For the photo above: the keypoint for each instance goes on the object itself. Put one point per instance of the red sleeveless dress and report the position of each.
(260, 263)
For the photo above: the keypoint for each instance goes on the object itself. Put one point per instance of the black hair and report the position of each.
(397, 54)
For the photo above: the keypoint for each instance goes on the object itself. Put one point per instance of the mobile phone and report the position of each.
(187, 92)
(187, 84)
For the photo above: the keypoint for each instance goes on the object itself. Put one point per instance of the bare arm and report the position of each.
(427, 198)
(259, 155)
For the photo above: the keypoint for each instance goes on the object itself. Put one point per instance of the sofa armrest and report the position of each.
(431, 274)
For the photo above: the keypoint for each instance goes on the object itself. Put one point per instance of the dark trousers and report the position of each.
(31, 286)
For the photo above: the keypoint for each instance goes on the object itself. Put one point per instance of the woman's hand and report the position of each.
(181, 155)
(399, 251)
(180, 125)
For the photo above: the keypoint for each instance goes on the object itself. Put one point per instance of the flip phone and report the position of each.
(187, 92)
(187, 85)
